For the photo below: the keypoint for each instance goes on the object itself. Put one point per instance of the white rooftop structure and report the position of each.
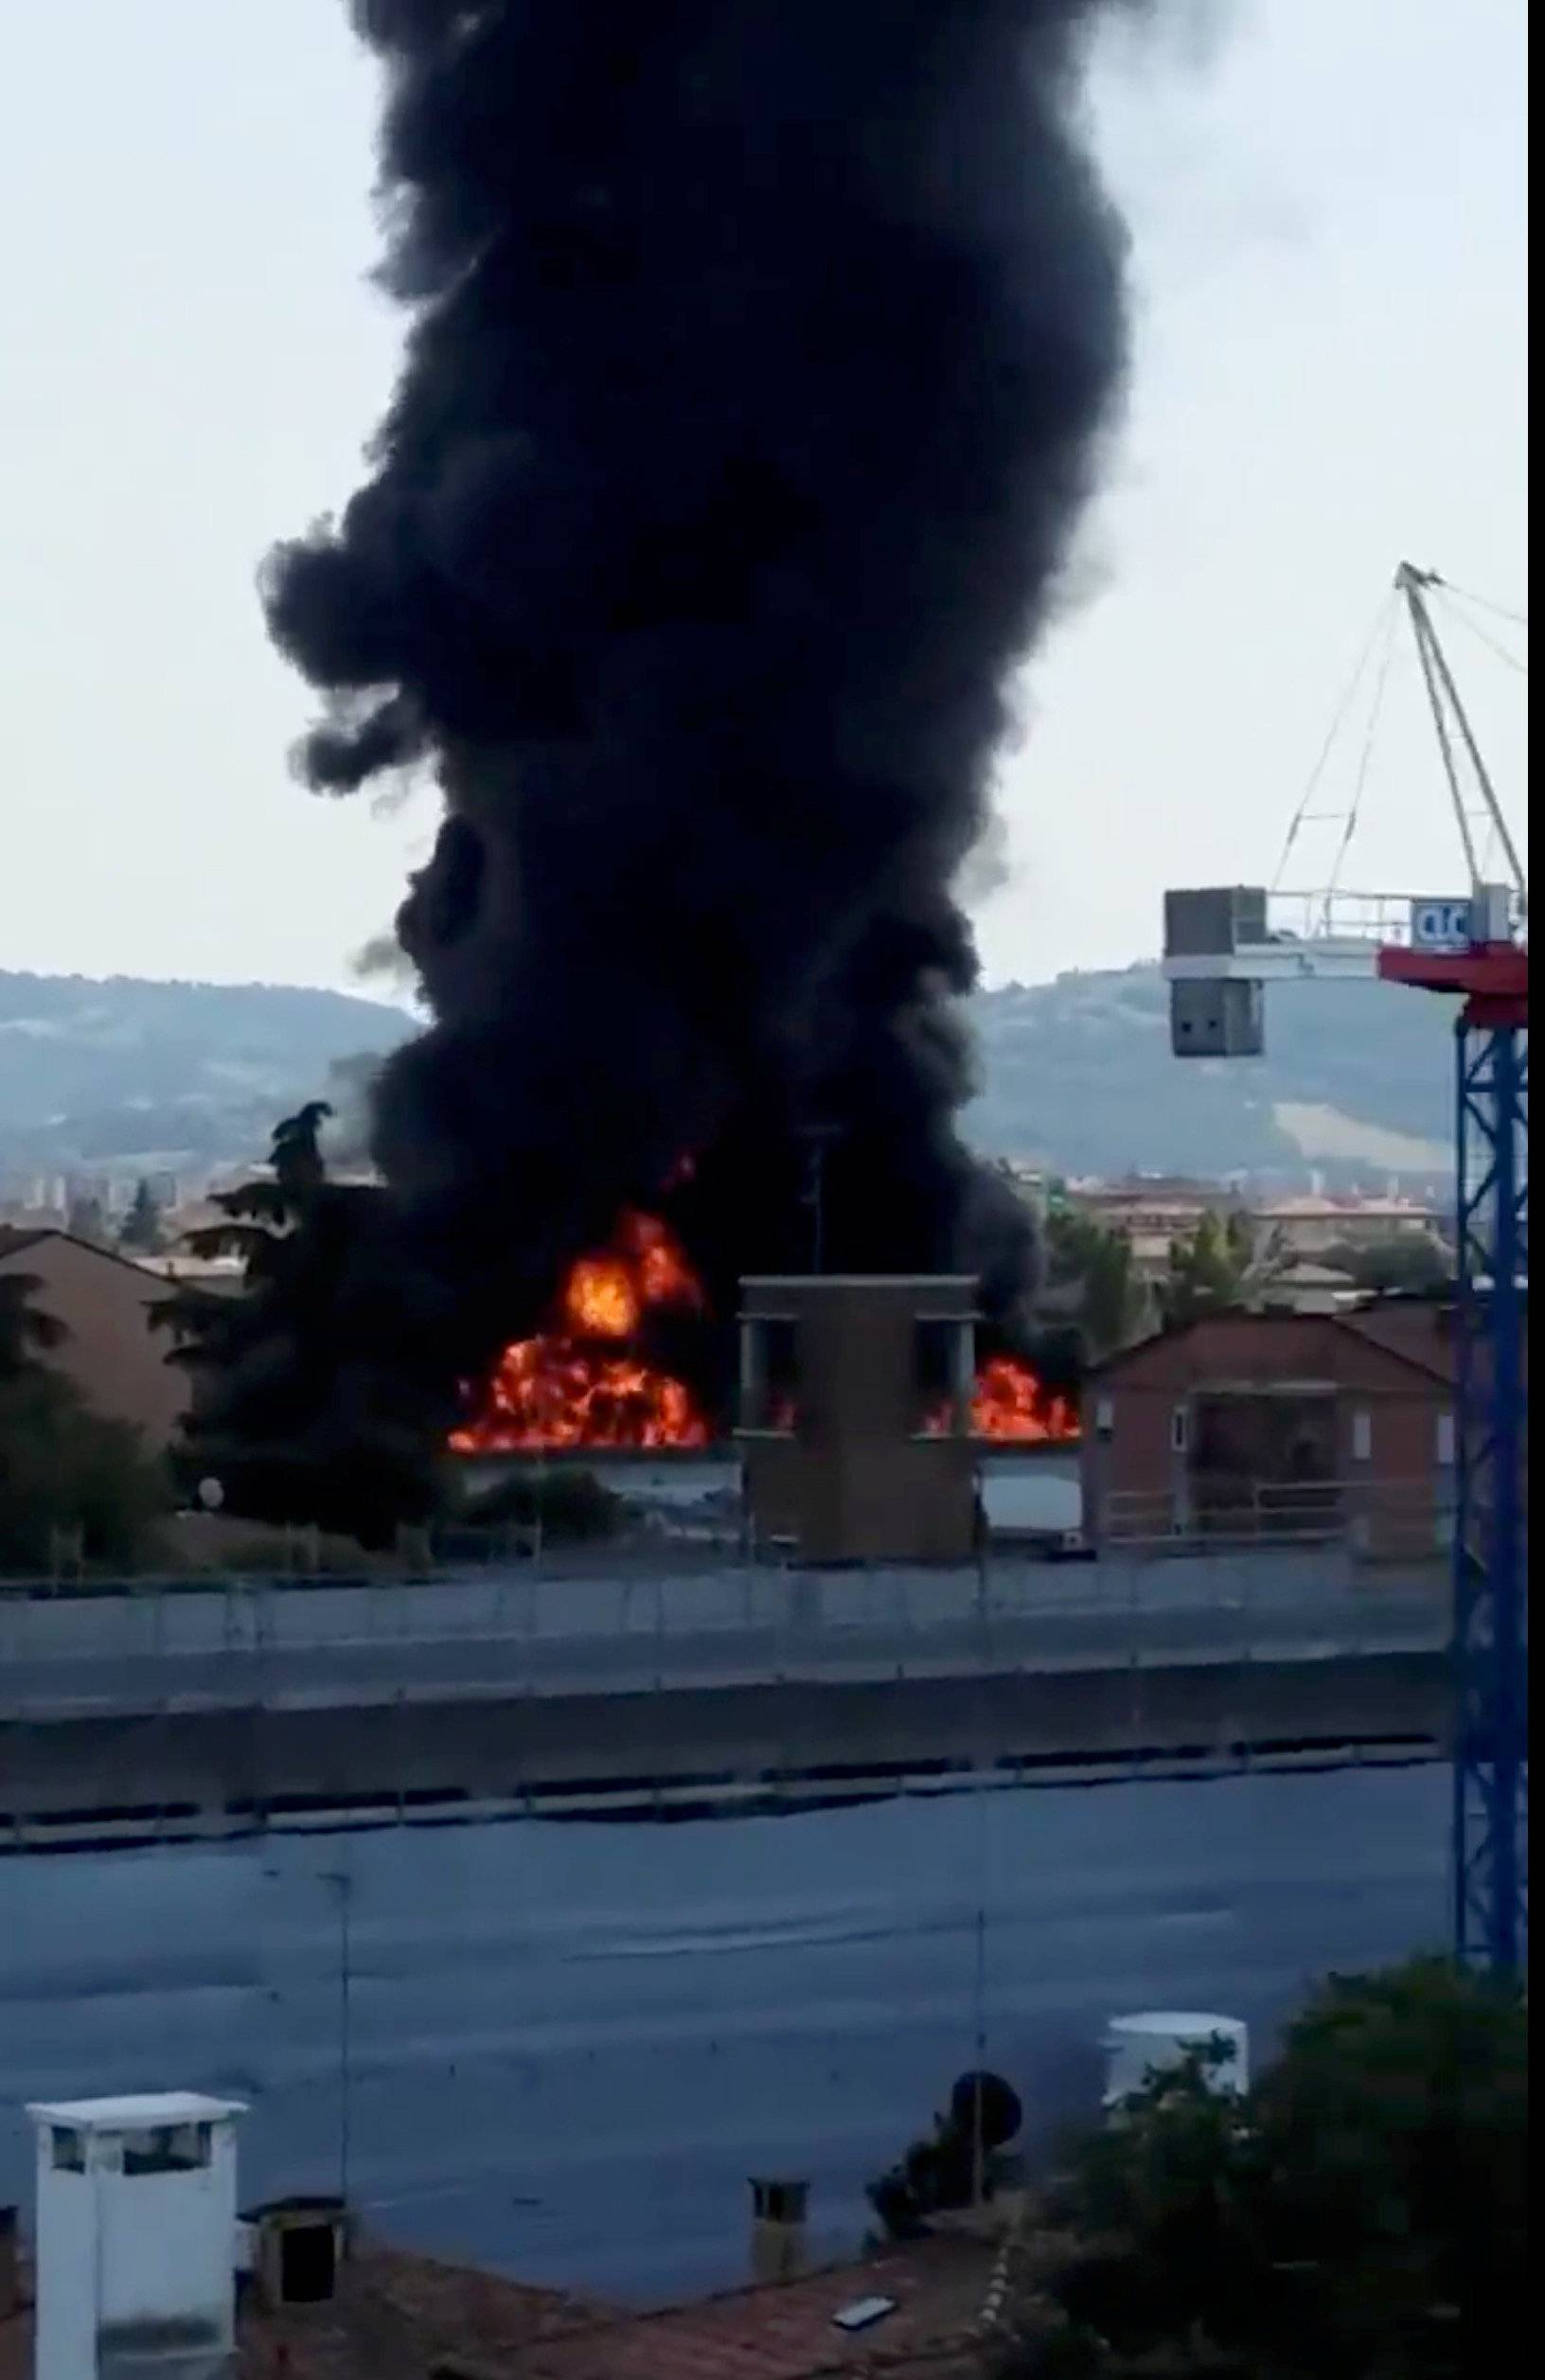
(135, 2232)
(1154, 2039)
(135, 2108)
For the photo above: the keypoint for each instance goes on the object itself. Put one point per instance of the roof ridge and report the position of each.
(1431, 1366)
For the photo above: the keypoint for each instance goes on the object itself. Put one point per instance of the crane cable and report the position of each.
(1518, 619)
(1383, 622)
(1455, 612)
(1365, 759)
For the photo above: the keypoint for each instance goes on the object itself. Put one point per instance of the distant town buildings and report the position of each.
(1152, 1212)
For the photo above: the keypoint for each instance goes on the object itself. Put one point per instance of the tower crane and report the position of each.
(1223, 945)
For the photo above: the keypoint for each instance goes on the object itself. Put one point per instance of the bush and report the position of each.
(64, 1468)
(569, 1504)
(1359, 2216)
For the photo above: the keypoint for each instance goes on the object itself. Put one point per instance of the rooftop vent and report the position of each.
(299, 2245)
(778, 2229)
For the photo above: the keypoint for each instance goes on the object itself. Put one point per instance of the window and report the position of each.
(69, 2149)
(1362, 1436)
(768, 1372)
(942, 1374)
(168, 2148)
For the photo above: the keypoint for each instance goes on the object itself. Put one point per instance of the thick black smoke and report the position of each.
(759, 356)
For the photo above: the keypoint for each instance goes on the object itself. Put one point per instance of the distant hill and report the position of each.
(1079, 1073)
(121, 1072)
(107, 1073)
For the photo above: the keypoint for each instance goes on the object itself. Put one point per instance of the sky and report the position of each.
(1327, 204)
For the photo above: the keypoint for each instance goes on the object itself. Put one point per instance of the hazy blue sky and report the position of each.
(1329, 251)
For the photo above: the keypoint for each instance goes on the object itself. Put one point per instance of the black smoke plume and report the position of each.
(759, 359)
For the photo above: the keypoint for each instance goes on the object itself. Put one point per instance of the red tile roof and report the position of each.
(401, 2316)
(786, 2331)
(394, 2317)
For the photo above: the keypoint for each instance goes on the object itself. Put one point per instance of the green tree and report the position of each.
(1408, 1261)
(26, 1331)
(86, 1220)
(1223, 1263)
(268, 1415)
(62, 1469)
(1113, 1306)
(1360, 2214)
(65, 1470)
(142, 1230)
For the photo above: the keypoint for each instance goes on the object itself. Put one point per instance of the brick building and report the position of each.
(1278, 1424)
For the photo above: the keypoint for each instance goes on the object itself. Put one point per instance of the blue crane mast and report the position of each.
(1221, 949)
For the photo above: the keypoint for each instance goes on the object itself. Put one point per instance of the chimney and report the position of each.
(299, 2246)
(135, 2231)
(855, 1402)
(777, 2229)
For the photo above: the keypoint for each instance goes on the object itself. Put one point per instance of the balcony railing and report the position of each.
(1383, 1520)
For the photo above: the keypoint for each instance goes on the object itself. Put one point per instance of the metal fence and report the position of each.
(519, 1630)
(1375, 1520)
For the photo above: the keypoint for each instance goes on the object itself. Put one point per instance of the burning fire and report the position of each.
(1010, 1405)
(1010, 1402)
(582, 1383)
(578, 1384)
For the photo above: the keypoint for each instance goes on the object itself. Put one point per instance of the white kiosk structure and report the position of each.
(135, 2232)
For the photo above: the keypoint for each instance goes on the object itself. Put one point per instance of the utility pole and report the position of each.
(343, 1885)
(817, 1139)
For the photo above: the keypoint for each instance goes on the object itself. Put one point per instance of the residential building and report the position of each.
(111, 1353)
(1312, 1225)
(1278, 1423)
(1151, 1212)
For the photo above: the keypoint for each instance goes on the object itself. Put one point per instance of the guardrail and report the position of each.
(524, 1632)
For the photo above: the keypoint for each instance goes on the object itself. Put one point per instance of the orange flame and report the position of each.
(1010, 1405)
(561, 1390)
(1009, 1402)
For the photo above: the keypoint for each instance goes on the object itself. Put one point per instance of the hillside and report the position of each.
(1077, 1073)
(95, 1073)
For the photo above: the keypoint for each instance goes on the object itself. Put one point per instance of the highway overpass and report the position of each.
(682, 1676)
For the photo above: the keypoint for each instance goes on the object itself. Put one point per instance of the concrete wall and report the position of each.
(233, 1770)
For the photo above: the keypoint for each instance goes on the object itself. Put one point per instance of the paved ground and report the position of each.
(564, 2047)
